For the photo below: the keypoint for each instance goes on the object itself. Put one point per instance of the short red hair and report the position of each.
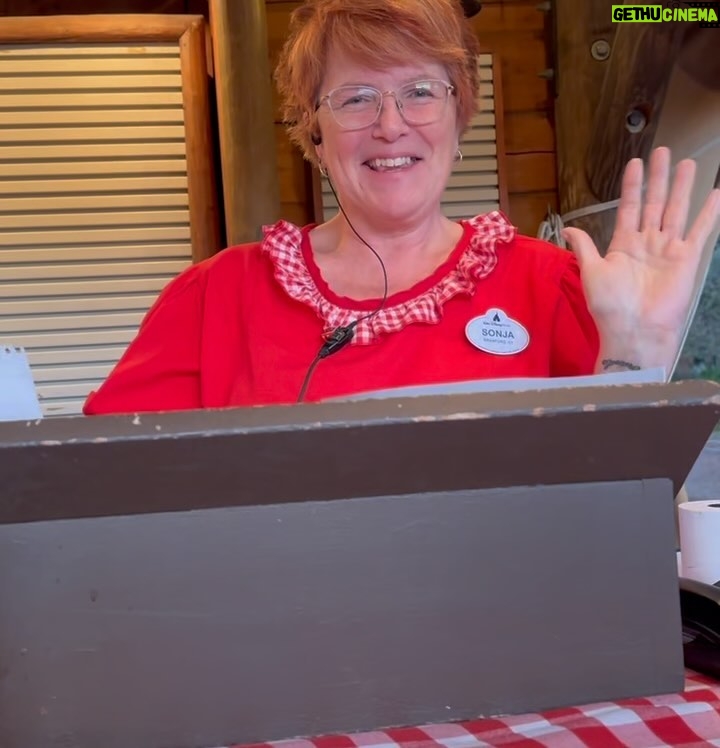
(378, 33)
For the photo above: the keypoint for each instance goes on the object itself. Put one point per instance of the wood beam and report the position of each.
(202, 182)
(151, 27)
(631, 101)
(245, 117)
(579, 79)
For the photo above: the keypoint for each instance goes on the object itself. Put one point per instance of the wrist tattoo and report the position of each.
(610, 363)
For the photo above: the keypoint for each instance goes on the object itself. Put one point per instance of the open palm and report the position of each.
(639, 293)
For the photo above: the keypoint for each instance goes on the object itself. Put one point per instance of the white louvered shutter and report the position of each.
(94, 214)
(474, 185)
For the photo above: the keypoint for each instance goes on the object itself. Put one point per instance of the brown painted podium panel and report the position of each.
(209, 578)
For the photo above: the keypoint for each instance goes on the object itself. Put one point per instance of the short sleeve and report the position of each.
(575, 341)
(160, 370)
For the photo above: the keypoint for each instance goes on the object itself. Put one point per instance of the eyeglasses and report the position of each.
(419, 103)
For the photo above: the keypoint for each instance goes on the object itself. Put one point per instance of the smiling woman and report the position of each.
(390, 292)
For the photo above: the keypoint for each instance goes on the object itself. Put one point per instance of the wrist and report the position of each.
(635, 351)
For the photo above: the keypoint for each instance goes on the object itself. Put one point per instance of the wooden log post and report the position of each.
(202, 183)
(612, 81)
(584, 39)
(631, 101)
(245, 117)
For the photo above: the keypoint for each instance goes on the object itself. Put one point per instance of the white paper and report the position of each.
(642, 376)
(18, 398)
(699, 523)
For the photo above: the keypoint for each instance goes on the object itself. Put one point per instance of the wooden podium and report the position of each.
(208, 578)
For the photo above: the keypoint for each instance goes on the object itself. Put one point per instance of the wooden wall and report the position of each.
(518, 33)
(296, 196)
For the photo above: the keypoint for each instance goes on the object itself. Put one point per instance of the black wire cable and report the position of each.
(308, 377)
(342, 335)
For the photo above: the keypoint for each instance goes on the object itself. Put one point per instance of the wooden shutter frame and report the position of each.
(189, 32)
(499, 110)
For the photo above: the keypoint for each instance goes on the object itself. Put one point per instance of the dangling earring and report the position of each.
(322, 169)
(458, 156)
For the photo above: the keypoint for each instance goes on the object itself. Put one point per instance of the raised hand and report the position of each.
(639, 293)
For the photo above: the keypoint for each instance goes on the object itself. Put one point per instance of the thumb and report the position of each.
(582, 245)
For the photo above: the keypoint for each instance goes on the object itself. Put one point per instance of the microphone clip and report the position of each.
(337, 339)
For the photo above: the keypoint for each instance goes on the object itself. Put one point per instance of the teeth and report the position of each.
(390, 163)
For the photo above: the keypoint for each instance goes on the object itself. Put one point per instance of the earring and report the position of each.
(458, 156)
(322, 169)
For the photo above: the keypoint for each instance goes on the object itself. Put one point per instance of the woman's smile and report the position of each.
(401, 163)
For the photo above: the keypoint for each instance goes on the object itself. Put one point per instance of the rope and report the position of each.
(550, 229)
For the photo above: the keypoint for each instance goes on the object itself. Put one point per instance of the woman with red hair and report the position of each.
(389, 292)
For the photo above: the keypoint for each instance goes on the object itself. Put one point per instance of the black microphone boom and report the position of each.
(470, 7)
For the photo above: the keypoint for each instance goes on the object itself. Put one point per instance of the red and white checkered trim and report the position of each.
(283, 244)
(687, 720)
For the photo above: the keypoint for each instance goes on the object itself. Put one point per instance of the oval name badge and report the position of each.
(495, 332)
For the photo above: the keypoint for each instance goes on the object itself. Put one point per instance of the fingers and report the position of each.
(706, 221)
(665, 207)
(656, 193)
(629, 210)
(678, 206)
(583, 247)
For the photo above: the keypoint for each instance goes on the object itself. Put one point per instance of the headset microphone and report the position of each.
(338, 339)
(342, 335)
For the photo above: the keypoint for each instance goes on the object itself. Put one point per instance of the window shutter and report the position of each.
(94, 203)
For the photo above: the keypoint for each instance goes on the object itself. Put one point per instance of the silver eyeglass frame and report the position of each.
(325, 98)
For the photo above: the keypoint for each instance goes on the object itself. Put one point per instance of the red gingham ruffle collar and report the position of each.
(283, 243)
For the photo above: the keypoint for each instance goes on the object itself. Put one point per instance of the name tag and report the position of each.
(495, 332)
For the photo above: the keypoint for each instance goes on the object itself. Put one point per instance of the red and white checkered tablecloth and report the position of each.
(687, 720)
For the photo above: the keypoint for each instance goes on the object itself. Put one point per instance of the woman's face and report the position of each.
(389, 173)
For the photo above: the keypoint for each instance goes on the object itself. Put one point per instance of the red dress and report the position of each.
(243, 327)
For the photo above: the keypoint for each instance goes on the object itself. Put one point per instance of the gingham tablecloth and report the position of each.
(687, 720)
